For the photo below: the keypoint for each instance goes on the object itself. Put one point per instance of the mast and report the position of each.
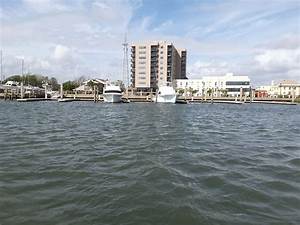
(22, 62)
(125, 62)
(1, 68)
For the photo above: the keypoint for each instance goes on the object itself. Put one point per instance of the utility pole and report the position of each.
(22, 61)
(125, 62)
(1, 68)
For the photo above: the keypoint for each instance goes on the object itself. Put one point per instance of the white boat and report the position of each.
(65, 100)
(165, 94)
(112, 94)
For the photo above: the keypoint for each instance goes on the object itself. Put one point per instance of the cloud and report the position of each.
(61, 52)
(279, 60)
(80, 37)
(200, 68)
(46, 6)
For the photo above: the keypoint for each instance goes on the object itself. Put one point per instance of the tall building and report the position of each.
(226, 85)
(155, 63)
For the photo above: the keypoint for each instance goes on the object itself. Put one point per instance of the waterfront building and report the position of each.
(87, 86)
(227, 85)
(285, 88)
(156, 63)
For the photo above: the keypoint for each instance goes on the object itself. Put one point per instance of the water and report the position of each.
(85, 163)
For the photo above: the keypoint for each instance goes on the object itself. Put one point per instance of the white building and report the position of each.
(217, 85)
(285, 88)
(87, 87)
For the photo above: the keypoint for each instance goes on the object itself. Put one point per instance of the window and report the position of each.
(161, 68)
(161, 57)
(142, 72)
(142, 52)
(142, 67)
(142, 57)
(142, 47)
(237, 89)
(113, 91)
(142, 78)
(161, 52)
(142, 62)
(142, 83)
(237, 82)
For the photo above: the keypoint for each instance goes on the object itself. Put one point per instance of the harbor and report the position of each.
(149, 112)
(14, 93)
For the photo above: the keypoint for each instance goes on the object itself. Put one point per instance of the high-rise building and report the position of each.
(156, 63)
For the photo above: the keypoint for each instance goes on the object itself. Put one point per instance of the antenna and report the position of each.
(1, 68)
(22, 66)
(125, 62)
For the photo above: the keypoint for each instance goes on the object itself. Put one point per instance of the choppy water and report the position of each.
(85, 163)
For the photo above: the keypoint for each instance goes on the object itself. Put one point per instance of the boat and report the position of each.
(65, 100)
(112, 94)
(165, 94)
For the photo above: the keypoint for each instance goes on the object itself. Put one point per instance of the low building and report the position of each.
(227, 85)
(285, 88)
(87, 86)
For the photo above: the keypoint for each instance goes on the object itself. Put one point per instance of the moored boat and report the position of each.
(112, 94)
(165, 94)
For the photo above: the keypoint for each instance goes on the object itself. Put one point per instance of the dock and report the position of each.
(34, 99)
(148, 97)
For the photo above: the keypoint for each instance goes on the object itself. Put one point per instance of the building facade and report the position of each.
(285, 88)
(155, 63)
(227, 85)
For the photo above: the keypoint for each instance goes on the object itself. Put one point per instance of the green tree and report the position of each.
(53, 82)
(209, 91)
(224, 92)
(16, 78)
(69, 85)
(180, 91)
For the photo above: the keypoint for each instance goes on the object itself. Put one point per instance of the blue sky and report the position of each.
(68, 39)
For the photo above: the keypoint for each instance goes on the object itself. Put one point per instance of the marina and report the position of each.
(138, 112)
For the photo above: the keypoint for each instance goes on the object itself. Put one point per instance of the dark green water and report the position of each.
(85, 163)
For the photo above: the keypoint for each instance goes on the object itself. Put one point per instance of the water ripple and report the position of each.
(86, 163)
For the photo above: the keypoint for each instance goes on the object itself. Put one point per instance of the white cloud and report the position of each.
(46, 6)
(61, 52)
(82, 34)
(279, 59)
(207, 68)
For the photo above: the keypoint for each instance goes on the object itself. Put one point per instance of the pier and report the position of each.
(16, 93)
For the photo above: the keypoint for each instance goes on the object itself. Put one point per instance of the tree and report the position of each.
(69, 85)
(54, 84)
(16, 78)
(180, 91)
(224, 92)
(80, 80)
(209, 91)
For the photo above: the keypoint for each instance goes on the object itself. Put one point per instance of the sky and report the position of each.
(72, 38)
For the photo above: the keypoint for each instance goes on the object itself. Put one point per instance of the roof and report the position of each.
(95, 81)
(288, 82)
